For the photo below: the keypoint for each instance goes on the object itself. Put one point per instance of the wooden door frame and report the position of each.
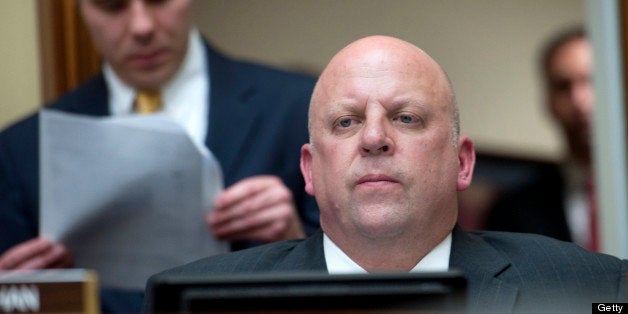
(67, 54)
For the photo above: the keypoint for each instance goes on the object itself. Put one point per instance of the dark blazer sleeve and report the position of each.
(257, 125)
(19, 194)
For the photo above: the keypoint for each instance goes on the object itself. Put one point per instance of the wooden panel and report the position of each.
(49, 291)
(68, 56)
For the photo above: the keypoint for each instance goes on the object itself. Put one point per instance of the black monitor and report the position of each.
(433, 292)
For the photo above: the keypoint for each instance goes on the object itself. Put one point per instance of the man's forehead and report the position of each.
(378, 58)
(382, 79)
(375, 59)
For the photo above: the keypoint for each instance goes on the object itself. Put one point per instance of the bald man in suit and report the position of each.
(385, 162)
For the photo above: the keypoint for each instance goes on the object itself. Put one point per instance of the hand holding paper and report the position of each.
(258, 208)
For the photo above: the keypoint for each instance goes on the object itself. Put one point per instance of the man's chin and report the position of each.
(150, 79)
(379, 233)
(380, 223)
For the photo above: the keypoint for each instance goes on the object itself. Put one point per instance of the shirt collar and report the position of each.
(194, 66)
(575, 176)
(339, 263)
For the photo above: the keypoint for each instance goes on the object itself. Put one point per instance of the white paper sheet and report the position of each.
(127, 195)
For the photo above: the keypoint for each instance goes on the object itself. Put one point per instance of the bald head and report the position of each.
(374, 55)
(380, 161)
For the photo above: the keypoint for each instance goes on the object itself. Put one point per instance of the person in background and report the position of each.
(251, 117)
(560, 201)
(385, 162)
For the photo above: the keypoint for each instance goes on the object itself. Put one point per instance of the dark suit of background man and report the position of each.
(385, 163)
(252, 118)
(560, 201)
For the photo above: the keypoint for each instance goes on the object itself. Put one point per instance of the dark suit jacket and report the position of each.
(534, 206)
(257, 124)
(506, 272)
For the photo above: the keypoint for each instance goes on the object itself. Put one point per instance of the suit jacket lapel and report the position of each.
(231, 116)
(482, 265)
(308, 255)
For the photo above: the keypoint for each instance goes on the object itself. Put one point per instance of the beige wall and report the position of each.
(488, 47)
(19, 60)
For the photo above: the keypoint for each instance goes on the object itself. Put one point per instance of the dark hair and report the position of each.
(556, 42)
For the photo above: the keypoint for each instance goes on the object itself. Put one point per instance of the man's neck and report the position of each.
(394, 254)
(580, 155)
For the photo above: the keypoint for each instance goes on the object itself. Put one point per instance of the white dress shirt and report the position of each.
(185, 98)
(339, 263)
(577, 204)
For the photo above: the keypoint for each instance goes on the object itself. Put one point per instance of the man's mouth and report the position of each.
(376, 179)
(146, 59)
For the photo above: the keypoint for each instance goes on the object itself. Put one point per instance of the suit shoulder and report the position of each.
(72, 101)
(262, 73)
(547, 273)
(88, 98)
(26, 124)
(257, 259)
(276, 72)
(528, 248)
(275, 79)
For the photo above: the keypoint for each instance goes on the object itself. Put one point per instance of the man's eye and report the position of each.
(406, 119)
(156, 2)
(345, 123)
(111, 6)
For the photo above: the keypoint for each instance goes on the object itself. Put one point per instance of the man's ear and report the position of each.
(466, 161)
(306, 168)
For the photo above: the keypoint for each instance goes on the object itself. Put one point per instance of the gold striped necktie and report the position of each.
(147, 102)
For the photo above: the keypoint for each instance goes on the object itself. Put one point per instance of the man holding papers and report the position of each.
(253, 119)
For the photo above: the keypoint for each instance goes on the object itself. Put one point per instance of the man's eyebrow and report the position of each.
(413, 103)
(344, 106)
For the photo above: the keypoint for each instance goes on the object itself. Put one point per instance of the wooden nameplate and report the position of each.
(49, 291)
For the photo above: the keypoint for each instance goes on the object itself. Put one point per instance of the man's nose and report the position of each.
(376, 138)
(141, 21)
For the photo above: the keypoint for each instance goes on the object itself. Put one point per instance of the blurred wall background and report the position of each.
(488, 47)
(20, 85)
